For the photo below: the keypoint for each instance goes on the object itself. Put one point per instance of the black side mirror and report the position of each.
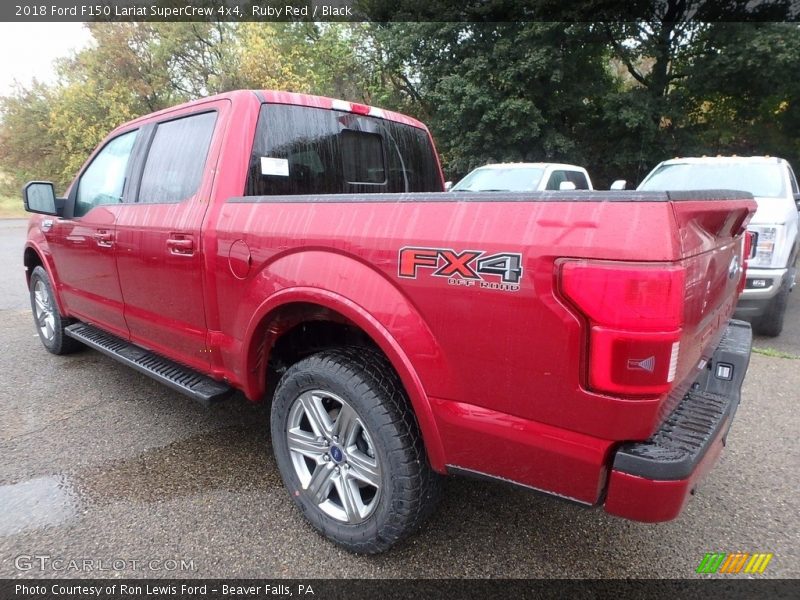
(40, 197)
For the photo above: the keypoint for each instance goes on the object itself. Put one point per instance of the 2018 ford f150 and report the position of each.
(302, 250)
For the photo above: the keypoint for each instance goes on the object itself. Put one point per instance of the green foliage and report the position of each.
(312, 58)
(11, 207)
(25, 142)
(503, 91)
(616, 98)
(757, 114)
(133, 69)
(703, 89)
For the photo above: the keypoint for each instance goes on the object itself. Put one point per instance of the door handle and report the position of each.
(104, 239)
(181, 246)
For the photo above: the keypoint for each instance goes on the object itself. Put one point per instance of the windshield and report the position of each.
(760, 179)
(504, 179)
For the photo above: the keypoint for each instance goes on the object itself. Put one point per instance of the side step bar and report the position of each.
(178, 377)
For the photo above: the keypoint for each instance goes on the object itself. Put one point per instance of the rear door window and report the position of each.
(578, 178)
(556, 179)
(176, 159)
(307, 150)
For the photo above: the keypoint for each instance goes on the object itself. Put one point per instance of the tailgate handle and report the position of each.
(180, 246)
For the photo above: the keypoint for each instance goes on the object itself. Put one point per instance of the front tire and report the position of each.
(49, 322)
(349, 449)
(771, 323)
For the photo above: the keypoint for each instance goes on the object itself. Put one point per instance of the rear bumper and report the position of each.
(652, 480)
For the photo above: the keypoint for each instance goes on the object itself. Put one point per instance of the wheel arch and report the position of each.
(291, 307)
(32, 257)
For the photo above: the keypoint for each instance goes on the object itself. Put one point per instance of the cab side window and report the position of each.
(793, 181)
(104, 180)
(176, 159)
(556, 179)
(579, 179)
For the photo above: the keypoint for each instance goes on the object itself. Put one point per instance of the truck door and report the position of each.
(83, 242)
(160, 255)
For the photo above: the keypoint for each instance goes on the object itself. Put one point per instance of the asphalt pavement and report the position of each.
(102, 464)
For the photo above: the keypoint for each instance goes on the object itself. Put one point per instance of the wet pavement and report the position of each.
(101, 464)
(13, 293)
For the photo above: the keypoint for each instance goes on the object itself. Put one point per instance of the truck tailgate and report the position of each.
(711, 226)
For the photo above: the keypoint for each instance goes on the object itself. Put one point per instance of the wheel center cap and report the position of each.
(336, 454)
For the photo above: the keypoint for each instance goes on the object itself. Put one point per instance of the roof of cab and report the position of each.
(278, 97)
(723, 159)
(538, 165)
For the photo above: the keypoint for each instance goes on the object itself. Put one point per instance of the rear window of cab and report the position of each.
(307, 150)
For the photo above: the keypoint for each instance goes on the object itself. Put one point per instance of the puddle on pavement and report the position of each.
(35, 504)
(232, 459)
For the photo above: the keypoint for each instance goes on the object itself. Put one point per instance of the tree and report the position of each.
(133, 69)
(614, 97)
(26, 146)
(121, 76)
(693, 81)
(741, 93)
(502, 91)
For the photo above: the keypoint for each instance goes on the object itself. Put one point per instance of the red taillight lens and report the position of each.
(635, 314)
(747, 252)
(749, 242)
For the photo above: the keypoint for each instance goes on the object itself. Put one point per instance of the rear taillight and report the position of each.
(748, 250)
(635, 314)
(749, 242)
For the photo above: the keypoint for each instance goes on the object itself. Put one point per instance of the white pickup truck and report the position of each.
(771, 269)
(523, 177)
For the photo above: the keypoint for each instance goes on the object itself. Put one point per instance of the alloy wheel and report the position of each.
(333, 456)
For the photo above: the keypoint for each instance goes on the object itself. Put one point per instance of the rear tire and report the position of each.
(770, 323)
(349, 449)
(49, 322)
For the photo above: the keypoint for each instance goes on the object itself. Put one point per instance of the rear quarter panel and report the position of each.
(515, 352)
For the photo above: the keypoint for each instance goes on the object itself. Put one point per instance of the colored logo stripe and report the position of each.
(758, 563)
(711, 562)
(735, 562)
(720, 562)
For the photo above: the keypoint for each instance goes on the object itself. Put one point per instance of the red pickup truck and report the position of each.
(302, 250)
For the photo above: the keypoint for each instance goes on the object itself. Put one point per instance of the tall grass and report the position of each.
(10, 204)
(11, 207)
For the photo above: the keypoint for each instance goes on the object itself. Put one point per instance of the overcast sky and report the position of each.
(28, 50)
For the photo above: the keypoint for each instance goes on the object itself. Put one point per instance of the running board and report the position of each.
(180, 378)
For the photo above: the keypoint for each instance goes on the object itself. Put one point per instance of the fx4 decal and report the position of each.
(470, 268)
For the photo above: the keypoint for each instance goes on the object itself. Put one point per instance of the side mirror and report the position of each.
(448, 185)
(566, 185)
(797, 201)
(40, 197)
(619, 184)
